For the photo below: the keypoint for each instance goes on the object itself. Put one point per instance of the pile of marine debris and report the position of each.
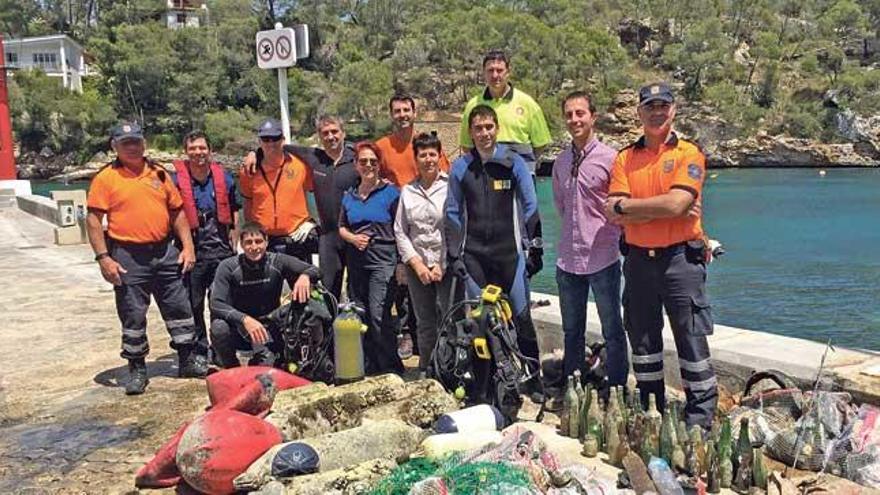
(269, 432)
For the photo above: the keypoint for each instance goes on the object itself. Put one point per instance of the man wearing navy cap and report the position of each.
(275, 196)
(655, 192)
(143, 210)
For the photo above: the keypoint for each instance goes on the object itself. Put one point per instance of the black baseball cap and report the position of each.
(270, 128)
(126, 130)
(656, 92)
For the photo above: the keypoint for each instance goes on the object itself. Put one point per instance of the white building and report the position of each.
(185, 13)
(57, 55)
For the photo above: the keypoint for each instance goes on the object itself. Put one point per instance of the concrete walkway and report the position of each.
(65, 425)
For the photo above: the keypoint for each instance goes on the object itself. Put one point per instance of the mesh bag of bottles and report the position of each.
(813, 430)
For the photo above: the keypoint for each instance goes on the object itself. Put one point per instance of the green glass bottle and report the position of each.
(584, 409)
(667, 438)
(696, 437)
(725, 439)
(565, 414)
(574, 411)
(743, 444)
(594, 418)
(622, 448)
(759, 470)
(725, 470)
(713, 473)
(591, 445)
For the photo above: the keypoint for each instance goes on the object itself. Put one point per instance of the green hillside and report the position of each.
(774, 65)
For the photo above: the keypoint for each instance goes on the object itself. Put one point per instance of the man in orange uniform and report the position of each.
(655, 191)
(275, 196)
(399, 167)
(398, 159)
(142, 206)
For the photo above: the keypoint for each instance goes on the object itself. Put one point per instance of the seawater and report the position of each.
(803, 251)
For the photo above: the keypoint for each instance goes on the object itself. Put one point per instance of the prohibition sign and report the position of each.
(265, 50)
(283, 47)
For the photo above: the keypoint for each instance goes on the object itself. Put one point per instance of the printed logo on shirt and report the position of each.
(694, 171)
(668, 165)
(501, 185)
(520, 111)
(291, 173)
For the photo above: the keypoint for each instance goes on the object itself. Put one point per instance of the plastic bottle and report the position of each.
(348, 349)
(663, 477)
(482, 417)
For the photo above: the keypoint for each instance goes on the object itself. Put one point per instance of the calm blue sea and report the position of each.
(803, 251)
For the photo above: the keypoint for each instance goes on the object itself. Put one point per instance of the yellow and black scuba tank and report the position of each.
(477, 357)
(348, 329)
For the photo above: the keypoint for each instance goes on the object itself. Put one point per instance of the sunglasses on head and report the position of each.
(271, 139)
(368, 161)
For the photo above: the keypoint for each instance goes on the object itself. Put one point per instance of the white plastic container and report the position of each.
(482, 417)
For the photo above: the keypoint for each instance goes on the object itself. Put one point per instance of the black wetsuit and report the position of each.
(244, 288)
(330, 180)
(486, 207)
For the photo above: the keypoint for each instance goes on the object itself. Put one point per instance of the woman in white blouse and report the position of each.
(418, 229)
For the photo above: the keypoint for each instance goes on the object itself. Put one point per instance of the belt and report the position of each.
(659, 252)
(140, 245)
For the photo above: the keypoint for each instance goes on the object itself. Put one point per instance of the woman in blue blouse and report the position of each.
(366, 224)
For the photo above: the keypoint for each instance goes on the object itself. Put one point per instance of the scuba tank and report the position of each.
(306, 335)
(477, 357)
(348, 329)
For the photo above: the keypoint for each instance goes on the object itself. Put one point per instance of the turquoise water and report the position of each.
(802, 251)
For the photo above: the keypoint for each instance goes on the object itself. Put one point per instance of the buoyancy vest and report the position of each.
(221, 194)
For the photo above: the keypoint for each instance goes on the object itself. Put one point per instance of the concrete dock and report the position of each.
(67, 427)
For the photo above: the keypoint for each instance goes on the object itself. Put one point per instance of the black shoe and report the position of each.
(137, 377)
(262, 358)
(534, 390)
(192, 366)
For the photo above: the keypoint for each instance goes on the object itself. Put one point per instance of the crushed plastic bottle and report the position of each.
(663, 477)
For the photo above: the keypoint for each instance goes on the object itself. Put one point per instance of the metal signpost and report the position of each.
(279, 49)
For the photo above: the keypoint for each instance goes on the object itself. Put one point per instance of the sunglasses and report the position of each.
(271, 139)
(368, 161)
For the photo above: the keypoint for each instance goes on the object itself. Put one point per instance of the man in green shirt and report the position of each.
(521, 123)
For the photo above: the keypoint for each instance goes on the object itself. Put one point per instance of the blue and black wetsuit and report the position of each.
(490, 207)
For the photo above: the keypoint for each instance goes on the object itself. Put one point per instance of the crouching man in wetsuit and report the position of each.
(247, 288)
(490, 193)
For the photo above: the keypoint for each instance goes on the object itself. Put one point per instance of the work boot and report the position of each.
(191, 364)
(137, 377)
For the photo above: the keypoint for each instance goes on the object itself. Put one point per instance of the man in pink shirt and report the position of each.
(588, 251)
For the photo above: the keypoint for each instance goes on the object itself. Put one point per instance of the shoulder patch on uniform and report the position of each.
(668, 165)
(695, 171)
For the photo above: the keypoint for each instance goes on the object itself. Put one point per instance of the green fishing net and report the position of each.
(467, 478)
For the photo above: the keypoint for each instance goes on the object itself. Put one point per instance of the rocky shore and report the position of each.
(618, 126)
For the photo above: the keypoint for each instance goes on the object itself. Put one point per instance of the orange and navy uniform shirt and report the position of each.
(641, 173)
(276, 198)
(139, 207)
(399, 161)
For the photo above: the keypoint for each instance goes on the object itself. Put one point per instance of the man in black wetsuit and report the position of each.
(333, 173)
(247, 288)
(491, 192)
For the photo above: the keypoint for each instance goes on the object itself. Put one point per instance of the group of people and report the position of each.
(395, 213)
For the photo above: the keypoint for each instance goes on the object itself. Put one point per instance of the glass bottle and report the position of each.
(565, 414)
(622, 448)
(713, 473)
(591, 445)
(667, 438)
(594, 418)
(743, 444)
(696, 436)
(574, 410)
(759, 471)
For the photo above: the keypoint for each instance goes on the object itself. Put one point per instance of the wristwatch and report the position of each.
(100, 256)
(619, 209)
(536, 243)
